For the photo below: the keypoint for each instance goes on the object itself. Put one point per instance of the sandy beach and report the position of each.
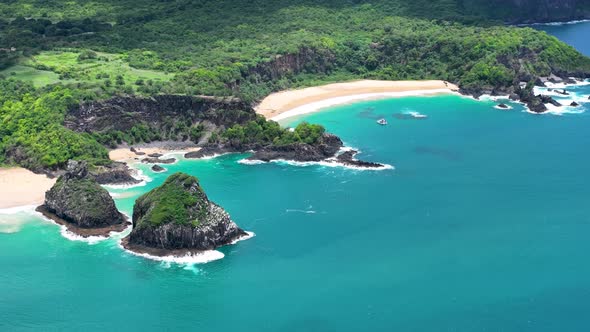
(126, 155)
(285, 104)
(20, 187)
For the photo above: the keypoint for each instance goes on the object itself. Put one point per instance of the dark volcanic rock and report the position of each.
(562, 92)
(123, 113)
(549, 100)
(77, 201)
(116, 173)
(155, 155)
(504, 106)
(158, 168)
(347, 158)
(139, 153)
(327, 148)
(158, 161)
(179, 216)
(574, 104)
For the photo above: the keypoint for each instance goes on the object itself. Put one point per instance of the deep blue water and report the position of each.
(577, 35)
(482, 226)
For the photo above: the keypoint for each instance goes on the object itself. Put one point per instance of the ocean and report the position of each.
(481, 225)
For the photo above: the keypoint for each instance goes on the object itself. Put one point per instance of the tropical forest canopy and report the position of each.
(56, 54)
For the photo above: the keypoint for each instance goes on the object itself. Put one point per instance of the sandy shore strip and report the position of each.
(20, 187)
(124, 154)
(285, 104)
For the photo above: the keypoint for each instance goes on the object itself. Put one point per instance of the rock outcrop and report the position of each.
(81, 204)
(123, 113)
(328, 147)
(177, 218)
(158, 169)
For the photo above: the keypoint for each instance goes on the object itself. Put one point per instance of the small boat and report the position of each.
(382, 122)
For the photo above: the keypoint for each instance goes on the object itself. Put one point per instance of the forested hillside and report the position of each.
(55, 54)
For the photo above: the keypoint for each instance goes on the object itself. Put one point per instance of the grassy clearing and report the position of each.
(37, 77)
(67, 67)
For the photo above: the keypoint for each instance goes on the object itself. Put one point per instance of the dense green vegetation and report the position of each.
(263, 132)
(70, 51)
(179, 200)
(32, 134)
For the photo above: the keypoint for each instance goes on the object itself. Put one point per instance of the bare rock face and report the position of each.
(179, 216)
(78, 200)
(326, 148)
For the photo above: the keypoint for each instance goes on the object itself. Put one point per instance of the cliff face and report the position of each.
(179, 216)
(77, 199)
(123, 113)
(310, 60)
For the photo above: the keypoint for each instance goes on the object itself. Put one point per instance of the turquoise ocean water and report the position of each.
(482, 226)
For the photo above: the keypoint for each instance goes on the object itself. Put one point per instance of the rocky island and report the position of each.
(178, 219)
(78, 202)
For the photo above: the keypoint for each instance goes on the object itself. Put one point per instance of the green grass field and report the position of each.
(66, 67)
(37, 77)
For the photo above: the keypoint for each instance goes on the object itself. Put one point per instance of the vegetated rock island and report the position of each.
(178, 219)
(79, 203)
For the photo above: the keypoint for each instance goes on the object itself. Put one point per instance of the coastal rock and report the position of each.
(503, 106)
(574, 104)
(327, 148)
(158, 161)
(562, 92)
(347, 158)
(177, 218)
(81, 204)
(155, 155)
(549, 100)
(158, 168)
(115, 173)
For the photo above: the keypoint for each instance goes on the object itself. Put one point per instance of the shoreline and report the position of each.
(286, 104)
(124, 153)
(21, 187)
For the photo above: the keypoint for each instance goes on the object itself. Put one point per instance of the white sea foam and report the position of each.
(332, 162)
(415, 114)
(556, 23)
(301, 211)
(139, 175)
(19, 209)
(200, 258)
(250, 162)
(213, 156)
(189, 259)
(248, 235)
(319, 105)
(493, 98)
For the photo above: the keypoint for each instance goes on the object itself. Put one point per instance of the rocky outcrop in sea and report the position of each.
(178, 218)
(78, 202)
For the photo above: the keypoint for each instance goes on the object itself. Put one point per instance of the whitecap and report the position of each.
(250, 162)
(248, 235)
(301, 211)
(332, 162)
(199, 258)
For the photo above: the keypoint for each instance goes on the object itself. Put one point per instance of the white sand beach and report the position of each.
(21, 187)
(289, 103)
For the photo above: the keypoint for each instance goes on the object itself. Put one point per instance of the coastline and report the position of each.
(21, 187)
(124, 154)
(289, 103)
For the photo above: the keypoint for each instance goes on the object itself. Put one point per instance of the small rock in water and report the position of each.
(574, 104)
(504, 106)
(155, 155)
(158, 168)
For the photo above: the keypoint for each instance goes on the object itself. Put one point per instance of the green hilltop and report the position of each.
(54, 54)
